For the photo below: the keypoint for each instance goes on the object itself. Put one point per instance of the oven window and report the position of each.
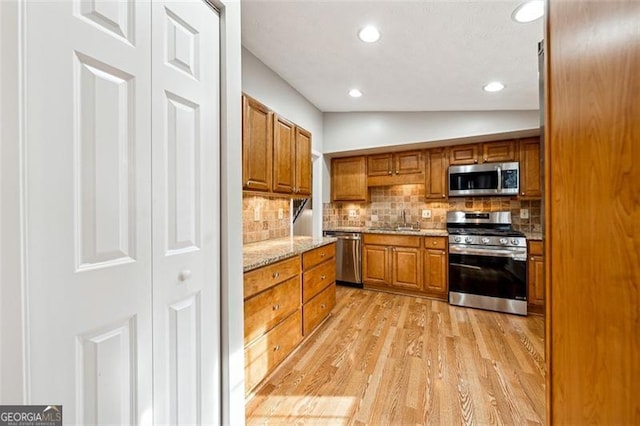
(488, 276)
(473, 180)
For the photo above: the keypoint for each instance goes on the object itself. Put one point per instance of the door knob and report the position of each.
(184, 275)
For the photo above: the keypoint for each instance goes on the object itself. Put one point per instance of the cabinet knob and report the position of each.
(276, 274)
(184, 275)
(322, 277)
(434, 243)
(389, 172)
(475, 161)
(321, 254)
(532, 258)
(276, 348)
(322, 306)
(443, 195)
(397, 172)
(522, 193)
(276, 307)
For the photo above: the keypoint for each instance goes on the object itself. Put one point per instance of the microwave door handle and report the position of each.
(499, 170)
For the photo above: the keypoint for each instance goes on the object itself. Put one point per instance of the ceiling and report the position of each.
(433, 55)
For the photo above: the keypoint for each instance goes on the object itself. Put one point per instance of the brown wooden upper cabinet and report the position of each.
(257, 144)
(530, 177)
(284, 155)
(303, 167)
(395, 168)
(437, 160)
(291, 158)
(488, 152)
(349, 179)
(276, 154)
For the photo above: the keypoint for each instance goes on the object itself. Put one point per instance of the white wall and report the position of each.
(262, 83)
(351, 131)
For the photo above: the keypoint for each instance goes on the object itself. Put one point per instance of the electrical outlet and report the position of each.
(352, 213)
(280, 214)
(426, 214)
(256, 214)
(524, 213)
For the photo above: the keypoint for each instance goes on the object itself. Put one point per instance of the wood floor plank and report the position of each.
(388, 359)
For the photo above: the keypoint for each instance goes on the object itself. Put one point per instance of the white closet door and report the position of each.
(186, 192)
(88, 209)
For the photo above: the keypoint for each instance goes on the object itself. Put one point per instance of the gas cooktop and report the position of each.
(486, 231)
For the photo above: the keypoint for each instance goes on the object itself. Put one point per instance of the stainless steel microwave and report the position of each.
(484, 179)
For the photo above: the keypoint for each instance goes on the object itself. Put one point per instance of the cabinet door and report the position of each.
(375, 265)
(257, 143)
(379, 165)
(409, 162)
(536, 284)
(436, 180)
(499, 151)
(463, 154)
(530, 177)
(303, 181)
(405, 268)
(284, 155)
(349, 179)
(435, 273)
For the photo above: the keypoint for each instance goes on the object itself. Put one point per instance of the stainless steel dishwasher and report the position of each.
(348, 257)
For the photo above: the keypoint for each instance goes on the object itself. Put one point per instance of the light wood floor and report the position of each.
(385, 359)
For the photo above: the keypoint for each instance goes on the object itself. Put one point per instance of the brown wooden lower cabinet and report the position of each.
(435, 268)
(261, 356)
(406, 264)
(283, 302)
(535, 267)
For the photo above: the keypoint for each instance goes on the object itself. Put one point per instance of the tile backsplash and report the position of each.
(265, 210)
(387, 203)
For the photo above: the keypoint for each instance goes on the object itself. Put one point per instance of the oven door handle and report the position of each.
(517, 254)
(461, 265)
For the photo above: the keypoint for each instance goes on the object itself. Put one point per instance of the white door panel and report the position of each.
(122, 210)
(186, 212)
(88, 198)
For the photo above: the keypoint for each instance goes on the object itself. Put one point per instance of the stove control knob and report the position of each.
(457, 239)
(485, 240)
(504, 241)
(468, 240)
(515, 242)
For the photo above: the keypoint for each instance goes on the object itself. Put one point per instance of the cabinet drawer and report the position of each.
(392, 240)
(312, 257)
(314, 280)
(435, 243)
(536, 248)
(262, 278)
(268, 308)
(265, 353)
(318, 308)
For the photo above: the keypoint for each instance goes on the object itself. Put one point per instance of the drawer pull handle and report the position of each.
(322, 277)
(434, 243)
(276, 307)
(324, 305)
(276, 274)
(276, 348)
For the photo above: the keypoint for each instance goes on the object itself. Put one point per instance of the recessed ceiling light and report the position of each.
(529, 11)
(494, 86)
(369, 34)
(355, 93)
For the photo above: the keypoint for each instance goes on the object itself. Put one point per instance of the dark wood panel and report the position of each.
(593, 211)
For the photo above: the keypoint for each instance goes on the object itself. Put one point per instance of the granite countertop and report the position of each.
(418, 232)
(534, 236)
(267, 252)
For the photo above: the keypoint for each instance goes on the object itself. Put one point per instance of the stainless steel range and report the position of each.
(487, 262)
